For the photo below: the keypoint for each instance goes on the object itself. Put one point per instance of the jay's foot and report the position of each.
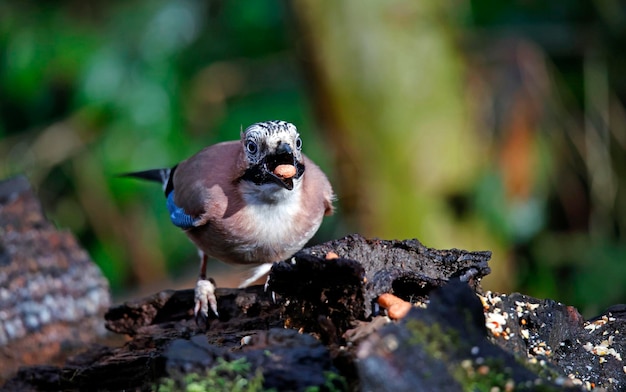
(204, 298)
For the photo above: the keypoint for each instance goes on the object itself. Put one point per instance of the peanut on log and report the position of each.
(396, 307)
(331, 255)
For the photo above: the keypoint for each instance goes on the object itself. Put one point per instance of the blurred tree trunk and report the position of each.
(388, 85)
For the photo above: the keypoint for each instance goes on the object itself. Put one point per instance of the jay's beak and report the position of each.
(266, 171)
(283, 156)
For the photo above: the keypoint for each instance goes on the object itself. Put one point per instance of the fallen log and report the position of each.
(320, 324)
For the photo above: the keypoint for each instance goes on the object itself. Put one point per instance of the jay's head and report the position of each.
(273, 153)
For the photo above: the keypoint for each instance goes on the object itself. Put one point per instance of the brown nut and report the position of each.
(399, 310)
(396, 307)
(331, 255)
(386, 300)
(285, 171)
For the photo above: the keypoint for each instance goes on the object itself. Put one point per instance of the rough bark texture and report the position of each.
(52, 296)
(335, 292)
(318, 325)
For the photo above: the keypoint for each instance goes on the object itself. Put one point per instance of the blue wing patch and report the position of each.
(177, 215)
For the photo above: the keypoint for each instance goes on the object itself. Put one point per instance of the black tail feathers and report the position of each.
(156, 175)
(161, 176)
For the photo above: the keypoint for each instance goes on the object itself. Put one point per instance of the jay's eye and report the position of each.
(298, 143)
(251, 147)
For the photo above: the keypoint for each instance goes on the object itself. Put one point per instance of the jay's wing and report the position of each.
(204, 186)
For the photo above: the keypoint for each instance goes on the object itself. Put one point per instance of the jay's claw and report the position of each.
(204, 298)
(266, 286)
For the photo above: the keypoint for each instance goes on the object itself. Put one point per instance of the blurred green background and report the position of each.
(477, 125)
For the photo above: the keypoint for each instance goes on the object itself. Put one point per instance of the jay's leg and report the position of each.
(204, 293)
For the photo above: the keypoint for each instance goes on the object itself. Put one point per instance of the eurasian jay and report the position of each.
(251, 202)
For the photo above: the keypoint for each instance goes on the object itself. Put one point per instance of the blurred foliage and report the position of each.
(551, 99)
(495, 125)
(484, 125)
